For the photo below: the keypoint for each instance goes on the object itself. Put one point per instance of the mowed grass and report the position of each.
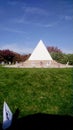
(37, 90)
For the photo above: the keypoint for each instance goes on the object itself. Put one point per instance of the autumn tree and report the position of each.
(55, 53)
(1, 57)
(59, 56)
(7, 55)
(24, 57)
(54, 49)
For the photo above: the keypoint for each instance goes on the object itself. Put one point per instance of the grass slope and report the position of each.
(36, 90)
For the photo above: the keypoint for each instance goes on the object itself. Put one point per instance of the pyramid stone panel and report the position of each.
(40, 52)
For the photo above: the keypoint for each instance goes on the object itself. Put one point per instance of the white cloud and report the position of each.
(45, 25)
(16, 48)
(21, 20)
(68, 17)
(12, 30)
(67, 51)
(38, 23)
(35, 10)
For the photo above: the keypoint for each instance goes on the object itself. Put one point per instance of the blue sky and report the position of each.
(24, 22)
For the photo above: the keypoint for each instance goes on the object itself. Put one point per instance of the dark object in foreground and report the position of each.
(43, 122)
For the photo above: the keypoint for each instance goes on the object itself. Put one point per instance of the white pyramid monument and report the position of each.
(40, 53)
(40, 58)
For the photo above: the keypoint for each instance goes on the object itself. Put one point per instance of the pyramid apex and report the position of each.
(40, 52)
(41, 41)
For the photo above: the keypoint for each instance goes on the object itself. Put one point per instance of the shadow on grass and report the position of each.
(41, 121)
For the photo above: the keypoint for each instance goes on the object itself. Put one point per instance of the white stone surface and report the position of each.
(40, 52)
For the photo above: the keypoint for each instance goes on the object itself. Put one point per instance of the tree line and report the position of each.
(59, 56)
(8, 56)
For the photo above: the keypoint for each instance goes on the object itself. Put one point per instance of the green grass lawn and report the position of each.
(37, 90)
